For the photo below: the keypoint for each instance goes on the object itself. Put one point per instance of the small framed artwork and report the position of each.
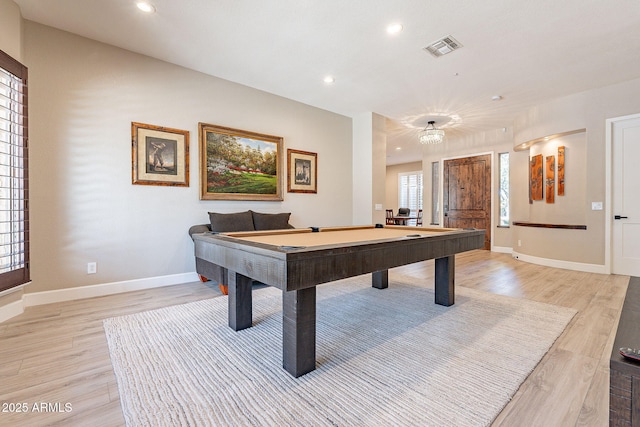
(239, 165)
(302, 171)
(160, 155)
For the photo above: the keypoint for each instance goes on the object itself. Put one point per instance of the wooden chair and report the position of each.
(390, 220)
(419, 220)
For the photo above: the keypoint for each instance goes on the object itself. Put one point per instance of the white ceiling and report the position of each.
(526, 51)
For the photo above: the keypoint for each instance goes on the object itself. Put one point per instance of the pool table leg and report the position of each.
(380, 279)
(299, 331)
(240, 304)
(445, 280)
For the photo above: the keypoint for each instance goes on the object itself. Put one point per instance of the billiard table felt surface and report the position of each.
(306, 238)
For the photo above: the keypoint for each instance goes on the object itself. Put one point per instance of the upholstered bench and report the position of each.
(230, 222)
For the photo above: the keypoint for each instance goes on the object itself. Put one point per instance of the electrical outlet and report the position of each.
(596, 206)
(92, 268)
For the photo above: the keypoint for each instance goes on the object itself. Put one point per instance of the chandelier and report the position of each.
(431, 135)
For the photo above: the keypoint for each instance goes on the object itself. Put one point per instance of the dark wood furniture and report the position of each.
(389, 217)
(543, 225)
(235, 221)
(624, 383)
(297, 260)
(402, 219)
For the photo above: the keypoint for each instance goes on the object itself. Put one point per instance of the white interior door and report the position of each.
(626, 197)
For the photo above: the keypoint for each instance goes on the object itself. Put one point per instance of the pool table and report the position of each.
(296, 260)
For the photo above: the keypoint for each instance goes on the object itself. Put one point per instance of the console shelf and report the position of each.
(542, 225)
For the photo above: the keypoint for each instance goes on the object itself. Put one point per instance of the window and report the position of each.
(435, 193)
(410, 190)
(504, 189)
(14, 218)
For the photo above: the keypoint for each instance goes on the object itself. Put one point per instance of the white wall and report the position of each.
(362, 202)
(588, 110)
(11, 29)
(84, 96)
(498, 141)
(369, 164)
(391, 184)
(570, 208)
(378, 169)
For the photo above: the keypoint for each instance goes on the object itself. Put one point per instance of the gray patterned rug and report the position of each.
(384, 357)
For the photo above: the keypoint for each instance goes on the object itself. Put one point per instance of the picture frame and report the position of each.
(159, 155)
(239, 165)
(302, 171)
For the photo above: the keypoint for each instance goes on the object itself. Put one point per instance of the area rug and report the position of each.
(384, 357)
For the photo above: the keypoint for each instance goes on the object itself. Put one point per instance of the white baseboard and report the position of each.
(502, 249)
(567, 265)
(59, 295)
(47, 297)
(11, 310)
(69, 294)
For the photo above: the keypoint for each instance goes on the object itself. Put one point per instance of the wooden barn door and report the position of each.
(467, 194)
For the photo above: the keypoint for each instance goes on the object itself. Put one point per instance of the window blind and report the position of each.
(14, 217)
(410, 190)
(435, 193)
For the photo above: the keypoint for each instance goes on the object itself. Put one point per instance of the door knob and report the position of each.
(620, 217)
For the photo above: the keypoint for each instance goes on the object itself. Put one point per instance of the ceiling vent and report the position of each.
(443, 46)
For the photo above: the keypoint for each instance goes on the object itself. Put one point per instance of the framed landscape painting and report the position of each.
(239, 165)
(302, 171)
(160, 155)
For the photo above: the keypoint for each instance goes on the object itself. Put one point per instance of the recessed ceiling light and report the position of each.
(145, 7)
(398, 148)
(329, 79)
(394, 28)
(496, 98)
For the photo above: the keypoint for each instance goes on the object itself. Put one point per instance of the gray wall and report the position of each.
(84, 96)
(391, 185)
(11, 29)
(496, 142)
(585, 181)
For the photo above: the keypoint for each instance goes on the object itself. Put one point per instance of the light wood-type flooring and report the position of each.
(57, 354)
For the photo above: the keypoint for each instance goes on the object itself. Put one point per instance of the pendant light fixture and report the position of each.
(431, 135)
